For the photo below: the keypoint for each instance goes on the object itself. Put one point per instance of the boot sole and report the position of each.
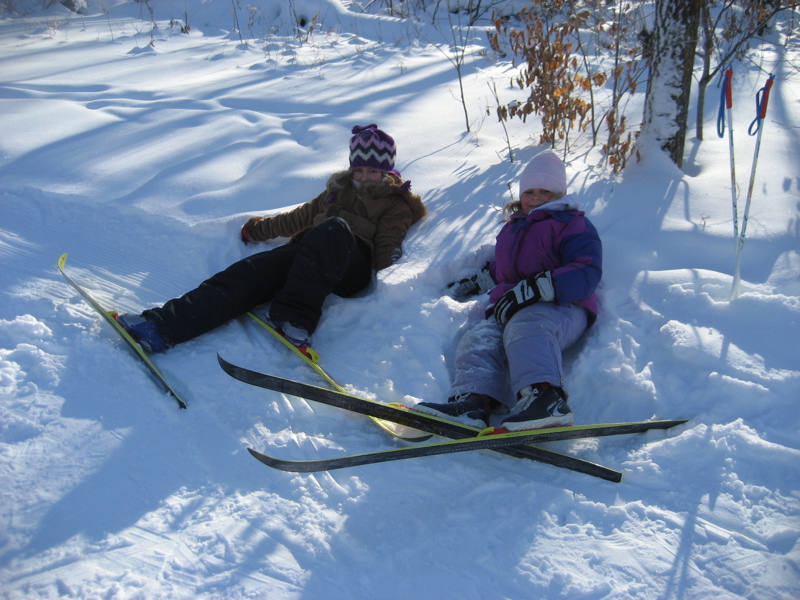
(560, 421)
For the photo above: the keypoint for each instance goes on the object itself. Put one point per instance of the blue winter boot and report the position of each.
(145, 332)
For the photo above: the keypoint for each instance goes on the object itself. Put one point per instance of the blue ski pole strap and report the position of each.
(725, 101)
(762, 100)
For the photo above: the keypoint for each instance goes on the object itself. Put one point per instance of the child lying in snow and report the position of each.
(356, 225)
(547, 265)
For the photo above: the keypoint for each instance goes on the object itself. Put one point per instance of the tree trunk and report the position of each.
(672, 52)
(707, 75)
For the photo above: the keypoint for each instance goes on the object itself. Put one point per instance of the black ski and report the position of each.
(483, 442)
(404, 416)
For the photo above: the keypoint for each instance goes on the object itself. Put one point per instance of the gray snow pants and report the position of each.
(499, 361)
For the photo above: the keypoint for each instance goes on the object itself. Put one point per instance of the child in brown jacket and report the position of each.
(355, 226)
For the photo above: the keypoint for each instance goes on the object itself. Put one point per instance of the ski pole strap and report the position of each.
(725, 101)
(762, 99)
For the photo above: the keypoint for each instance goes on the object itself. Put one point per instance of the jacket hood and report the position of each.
(563, 204)
(568, 202)
(390, 185)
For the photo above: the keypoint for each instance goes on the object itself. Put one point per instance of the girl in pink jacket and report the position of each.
(542, 282)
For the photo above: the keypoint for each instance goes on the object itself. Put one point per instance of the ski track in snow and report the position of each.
(142, 162)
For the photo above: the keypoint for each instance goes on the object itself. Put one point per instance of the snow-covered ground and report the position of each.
(142, 162)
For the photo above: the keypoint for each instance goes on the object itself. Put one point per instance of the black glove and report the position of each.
(526, 292)
(480, 283)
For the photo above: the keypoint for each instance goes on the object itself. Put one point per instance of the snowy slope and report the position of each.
(142, 162)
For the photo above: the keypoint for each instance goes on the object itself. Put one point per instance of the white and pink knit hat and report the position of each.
(545, 171)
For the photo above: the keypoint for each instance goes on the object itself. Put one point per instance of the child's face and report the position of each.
(366, 174)
(534, 198)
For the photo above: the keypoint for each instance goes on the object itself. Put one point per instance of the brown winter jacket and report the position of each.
(379, 215)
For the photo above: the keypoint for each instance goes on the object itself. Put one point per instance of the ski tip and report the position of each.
(61, 260)
(259, 456)
(230, 368)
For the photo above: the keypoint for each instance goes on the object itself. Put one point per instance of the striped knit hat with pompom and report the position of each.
(372, 148)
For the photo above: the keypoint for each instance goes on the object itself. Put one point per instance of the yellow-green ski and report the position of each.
(108, 318)
(311, 358)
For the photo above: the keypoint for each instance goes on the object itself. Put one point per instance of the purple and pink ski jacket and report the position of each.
(563, 242)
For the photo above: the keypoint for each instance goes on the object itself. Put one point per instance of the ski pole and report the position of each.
(762, 100)
(725, 105)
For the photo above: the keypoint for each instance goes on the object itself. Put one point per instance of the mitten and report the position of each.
(526, 292)
(252, 231)
(479, 283)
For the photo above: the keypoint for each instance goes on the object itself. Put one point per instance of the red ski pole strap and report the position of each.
(725, 101)
(762, 100)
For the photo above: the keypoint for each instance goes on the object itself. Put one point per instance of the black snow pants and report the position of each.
(296, 277)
